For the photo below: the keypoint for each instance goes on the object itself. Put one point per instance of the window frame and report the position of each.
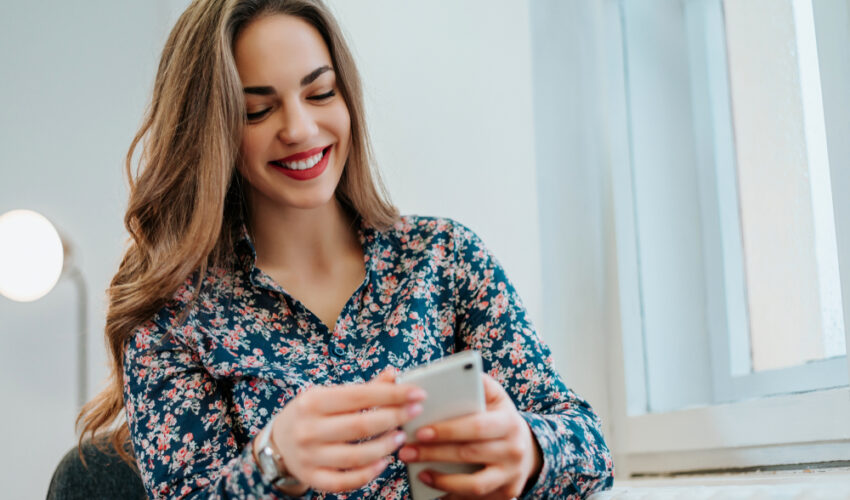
(724, 260)
(802, 427)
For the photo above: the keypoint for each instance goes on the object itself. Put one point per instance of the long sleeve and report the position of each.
(180, 425)
(492, 320)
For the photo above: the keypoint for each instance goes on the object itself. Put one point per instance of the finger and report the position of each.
(387, 375)
(475, 427)
(481, 452)
(491, 496)
(361, 425)
(495, 495)
(351, 456)
(337, 481)
(480, 483)
(354, 397)
(493, 391)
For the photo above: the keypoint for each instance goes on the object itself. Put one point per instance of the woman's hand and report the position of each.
(318, 434)
(498, 438)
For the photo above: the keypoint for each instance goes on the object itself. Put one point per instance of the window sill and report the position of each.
(797, 485)
(745, 435)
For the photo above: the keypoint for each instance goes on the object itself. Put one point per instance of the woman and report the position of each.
(270, 293)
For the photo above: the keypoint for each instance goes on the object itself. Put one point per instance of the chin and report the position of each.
(316, 197)
(305, 197)
(308, 202)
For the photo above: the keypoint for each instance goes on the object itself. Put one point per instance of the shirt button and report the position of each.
(339, 351)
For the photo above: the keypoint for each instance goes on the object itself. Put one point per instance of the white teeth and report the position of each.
(304, 164)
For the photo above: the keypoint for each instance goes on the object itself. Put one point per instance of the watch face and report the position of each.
(268, 467)
(268, 463)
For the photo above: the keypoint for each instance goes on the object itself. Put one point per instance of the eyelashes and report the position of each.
(315, 98)
(258, 114)
(322, 97)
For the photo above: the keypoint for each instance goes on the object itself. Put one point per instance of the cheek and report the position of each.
(249, 147)
(253, 151)
(342, 122)
(249, 155)
(344, 133)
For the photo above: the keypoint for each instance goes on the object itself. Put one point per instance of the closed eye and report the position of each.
(258, 114)
(322, 97)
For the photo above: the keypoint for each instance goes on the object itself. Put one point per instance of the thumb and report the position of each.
(387, 375)
(493, 391)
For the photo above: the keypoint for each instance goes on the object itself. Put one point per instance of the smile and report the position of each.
(304, 165)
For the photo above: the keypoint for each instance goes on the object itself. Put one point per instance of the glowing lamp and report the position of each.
(31, 255)
(32, 259)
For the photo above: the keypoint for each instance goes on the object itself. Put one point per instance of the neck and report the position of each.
(315, 240)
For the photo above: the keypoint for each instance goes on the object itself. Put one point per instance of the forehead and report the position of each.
(279, 50)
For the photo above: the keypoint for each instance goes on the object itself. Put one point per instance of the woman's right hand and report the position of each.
(318, 434)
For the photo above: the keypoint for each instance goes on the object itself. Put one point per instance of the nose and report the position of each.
(297, 124)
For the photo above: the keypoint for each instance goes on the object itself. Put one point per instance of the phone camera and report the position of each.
(467, 366)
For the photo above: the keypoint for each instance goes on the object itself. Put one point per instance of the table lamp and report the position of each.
(33, 257)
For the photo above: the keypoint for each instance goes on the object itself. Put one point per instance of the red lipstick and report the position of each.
(303, 155)
(310, 173)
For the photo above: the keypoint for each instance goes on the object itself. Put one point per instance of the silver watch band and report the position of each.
(269, 461)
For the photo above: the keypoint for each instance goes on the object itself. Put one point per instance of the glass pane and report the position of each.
(787, 222)
(731, 200)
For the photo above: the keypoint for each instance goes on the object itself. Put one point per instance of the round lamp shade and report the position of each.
(31, 255)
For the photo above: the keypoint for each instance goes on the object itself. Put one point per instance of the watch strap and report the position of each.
(270, 463)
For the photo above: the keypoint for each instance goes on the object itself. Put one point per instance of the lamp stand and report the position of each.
(73, 272)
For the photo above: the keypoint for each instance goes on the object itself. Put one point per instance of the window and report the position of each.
(731, 231)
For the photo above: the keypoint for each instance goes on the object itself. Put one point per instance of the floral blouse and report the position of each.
(197, 391)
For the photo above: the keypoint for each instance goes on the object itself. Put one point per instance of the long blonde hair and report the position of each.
(186, 195)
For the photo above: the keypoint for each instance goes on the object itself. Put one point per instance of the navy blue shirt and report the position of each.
(197, 392)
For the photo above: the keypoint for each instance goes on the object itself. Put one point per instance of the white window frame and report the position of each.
(728, 315)
(806, 427)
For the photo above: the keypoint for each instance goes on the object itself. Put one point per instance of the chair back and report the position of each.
(104, 476)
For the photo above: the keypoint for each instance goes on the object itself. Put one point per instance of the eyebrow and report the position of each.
(307, 80)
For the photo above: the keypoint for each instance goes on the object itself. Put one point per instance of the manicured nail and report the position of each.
(416, 394)
(425, 434)
(407, 453)
(413, 410)
(426, 478)
(399, 438)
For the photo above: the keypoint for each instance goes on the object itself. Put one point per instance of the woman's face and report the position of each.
(296, 141)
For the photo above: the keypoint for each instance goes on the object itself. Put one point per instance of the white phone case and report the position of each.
(454, 389)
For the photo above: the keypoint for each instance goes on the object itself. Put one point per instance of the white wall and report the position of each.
(449, 101)
(75, 77)
(574, 193)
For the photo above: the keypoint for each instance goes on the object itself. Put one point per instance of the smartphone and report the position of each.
(454, 389)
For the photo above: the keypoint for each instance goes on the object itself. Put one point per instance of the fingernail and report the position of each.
(407, 453)
(382, 464)
(425, 434)
(399, 438)
(413, 410)
(416, 394)
(426, 478)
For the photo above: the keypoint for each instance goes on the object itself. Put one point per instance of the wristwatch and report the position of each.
(271, 466)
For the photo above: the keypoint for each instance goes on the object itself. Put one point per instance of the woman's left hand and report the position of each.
(499, 438)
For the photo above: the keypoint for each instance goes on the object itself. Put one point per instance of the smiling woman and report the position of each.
(253, 322)
(297, 123)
